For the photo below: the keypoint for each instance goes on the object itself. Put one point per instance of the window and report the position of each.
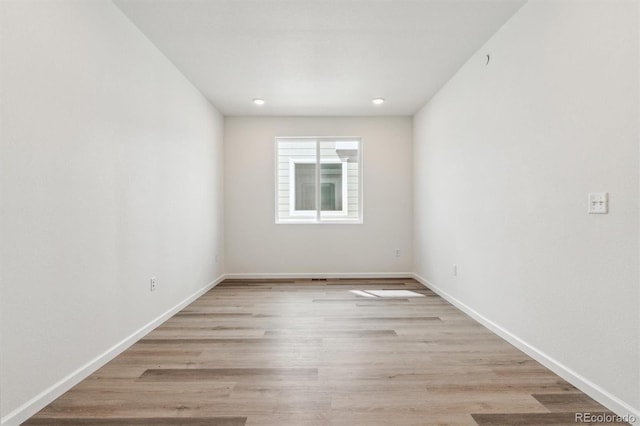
(338, 178)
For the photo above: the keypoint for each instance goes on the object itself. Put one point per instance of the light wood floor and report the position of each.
(304, 352)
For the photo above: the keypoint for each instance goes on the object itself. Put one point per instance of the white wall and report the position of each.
(256, 245)
(504, 156)
(111, 172)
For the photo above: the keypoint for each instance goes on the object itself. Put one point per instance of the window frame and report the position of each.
(321, 216)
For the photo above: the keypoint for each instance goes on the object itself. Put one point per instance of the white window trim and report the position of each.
(312, 213)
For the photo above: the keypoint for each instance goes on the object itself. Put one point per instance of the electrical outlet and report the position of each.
(153, 283)
(598, 203)
(397, 252)
(455, 270)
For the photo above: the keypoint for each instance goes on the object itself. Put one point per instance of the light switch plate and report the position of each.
(598, 203)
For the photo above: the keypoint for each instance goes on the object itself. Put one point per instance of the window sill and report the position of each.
(319, 222)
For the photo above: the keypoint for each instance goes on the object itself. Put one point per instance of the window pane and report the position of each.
(339, 174)
(295, 178)
(305, 184)
(349, 152)
(330, 180)
(331, 183)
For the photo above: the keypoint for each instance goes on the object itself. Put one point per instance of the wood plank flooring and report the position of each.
(308, 352)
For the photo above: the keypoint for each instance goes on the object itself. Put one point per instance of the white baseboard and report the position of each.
(593, 390)
(347, 275)
(31, 407)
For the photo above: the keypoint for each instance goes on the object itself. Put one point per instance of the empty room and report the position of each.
(319, 212)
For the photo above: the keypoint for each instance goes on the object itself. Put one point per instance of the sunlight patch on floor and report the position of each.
(386, 293)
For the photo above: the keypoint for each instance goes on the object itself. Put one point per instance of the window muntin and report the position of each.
(338, 177)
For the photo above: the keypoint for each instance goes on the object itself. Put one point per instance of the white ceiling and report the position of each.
(319, 57)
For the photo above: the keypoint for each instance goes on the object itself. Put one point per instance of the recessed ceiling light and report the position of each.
(258, 101)
(378, 101)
